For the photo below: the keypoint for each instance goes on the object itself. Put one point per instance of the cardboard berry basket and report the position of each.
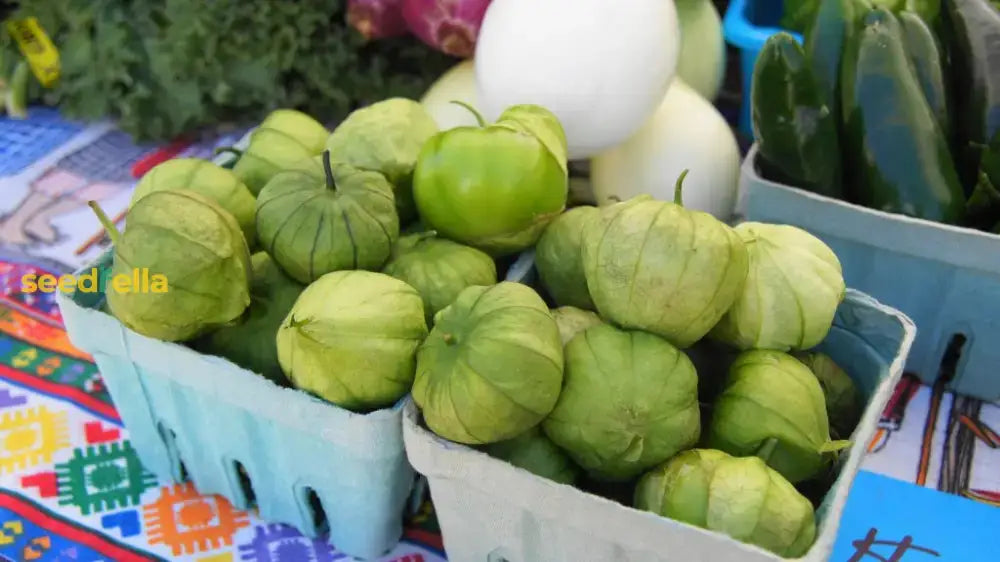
(946, 278)
(491, 511)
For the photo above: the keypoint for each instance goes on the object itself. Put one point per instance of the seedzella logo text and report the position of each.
(140, 281)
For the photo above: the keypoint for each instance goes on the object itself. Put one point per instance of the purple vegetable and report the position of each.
(450, 26)
(376, 19)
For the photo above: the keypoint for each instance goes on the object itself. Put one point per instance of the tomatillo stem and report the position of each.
(766, 449)
(479, 117)
(448, 338)
(107, 223)
(329, 171)
(678, 186)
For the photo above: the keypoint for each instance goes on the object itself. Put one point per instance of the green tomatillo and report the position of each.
(497, 186)
(318, 217)
(196, 248)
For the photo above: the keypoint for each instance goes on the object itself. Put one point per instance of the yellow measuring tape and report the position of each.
(42, 55)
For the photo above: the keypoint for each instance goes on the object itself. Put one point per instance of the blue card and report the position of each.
(890, 520)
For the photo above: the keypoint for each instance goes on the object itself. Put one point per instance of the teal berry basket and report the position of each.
(946, 278)
(302, 461)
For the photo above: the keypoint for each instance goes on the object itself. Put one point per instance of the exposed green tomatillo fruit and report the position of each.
(205, 178)
(318, 218)
(438, 269)
(195, 247)
(385, 137)
(629, 402)
(492, 366)
(352, 338)
(495, 186)
(741, 497)
(656, 266)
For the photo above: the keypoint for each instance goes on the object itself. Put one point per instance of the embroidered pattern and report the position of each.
(101, 477)
(281, 543)
(188, 523)
(29, 437)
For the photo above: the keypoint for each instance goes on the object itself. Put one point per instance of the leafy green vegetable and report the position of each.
(166, 67)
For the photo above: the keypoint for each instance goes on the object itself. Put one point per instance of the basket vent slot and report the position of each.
(169, 438)
(246, 485)
(315, 507)
(498, 555)
(952, 356)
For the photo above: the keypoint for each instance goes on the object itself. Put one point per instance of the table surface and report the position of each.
(71, 487)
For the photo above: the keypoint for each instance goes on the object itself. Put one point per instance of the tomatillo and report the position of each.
(495, 187)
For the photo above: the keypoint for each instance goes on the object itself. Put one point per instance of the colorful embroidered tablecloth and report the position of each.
(72, 489)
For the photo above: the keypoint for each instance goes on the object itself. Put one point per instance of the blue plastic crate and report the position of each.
(746, 25)
(946, 278)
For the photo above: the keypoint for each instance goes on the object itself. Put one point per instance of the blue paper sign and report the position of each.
(890, 520)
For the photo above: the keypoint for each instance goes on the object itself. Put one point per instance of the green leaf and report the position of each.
(167, 67)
